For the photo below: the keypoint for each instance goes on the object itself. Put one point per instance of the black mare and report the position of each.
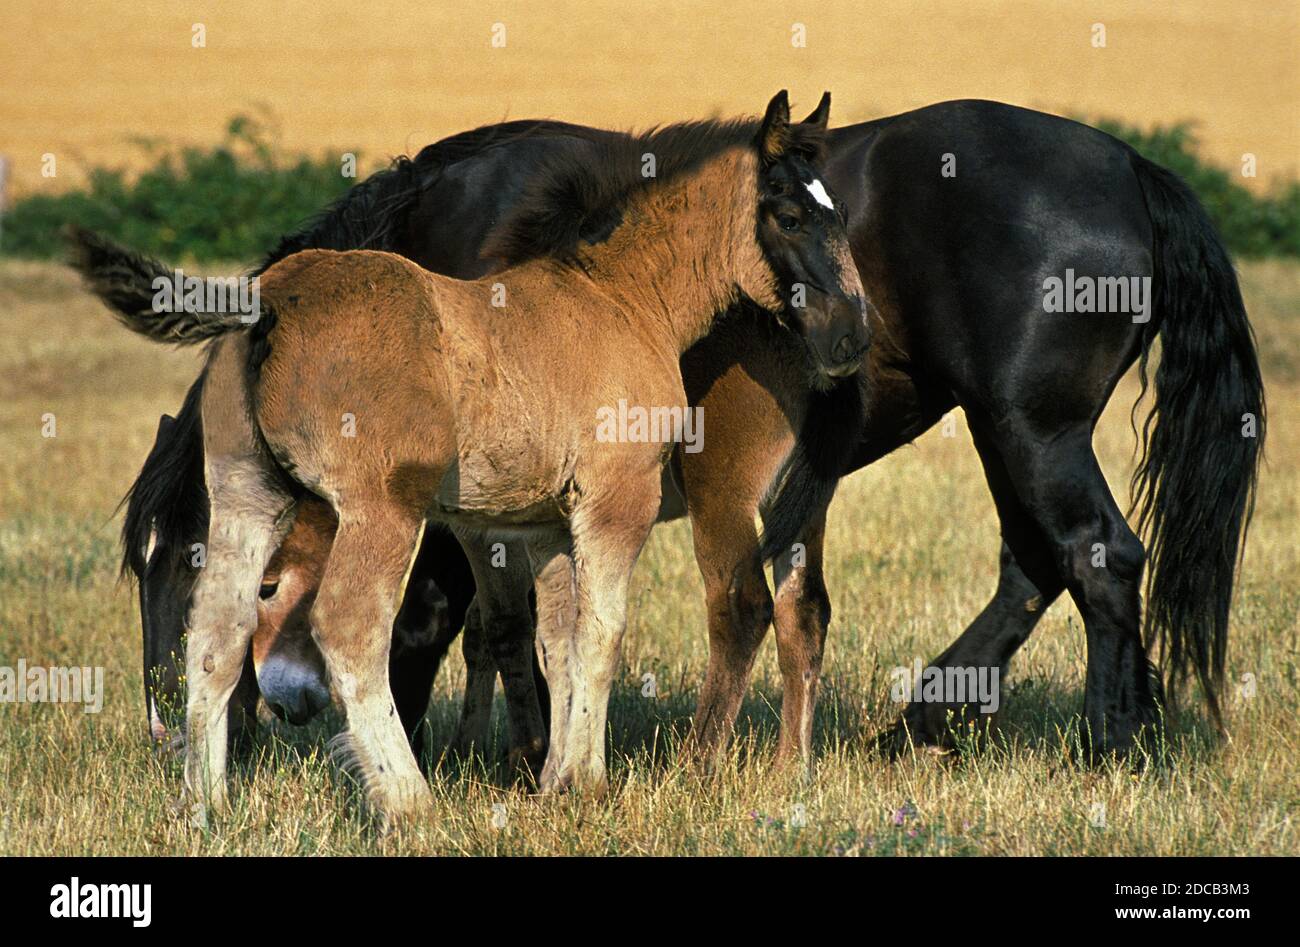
(960, 213)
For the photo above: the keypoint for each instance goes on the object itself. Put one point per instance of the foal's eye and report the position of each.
(267, 590)
(786, 222)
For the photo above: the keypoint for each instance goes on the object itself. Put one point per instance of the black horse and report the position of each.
(966, 217)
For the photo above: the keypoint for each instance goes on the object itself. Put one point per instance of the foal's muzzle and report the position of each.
(844, 338)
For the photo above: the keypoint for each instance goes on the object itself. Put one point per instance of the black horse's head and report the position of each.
(802, 229)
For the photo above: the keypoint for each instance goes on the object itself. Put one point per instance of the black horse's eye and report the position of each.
(787, 222)
(267, 590)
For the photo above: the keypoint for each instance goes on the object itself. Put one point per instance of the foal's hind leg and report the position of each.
(802, 615)
(352, 622)
(247, 522)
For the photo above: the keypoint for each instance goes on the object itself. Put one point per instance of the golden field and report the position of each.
(912, 557)
(80, 80)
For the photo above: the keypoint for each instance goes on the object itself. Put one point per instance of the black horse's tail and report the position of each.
(1194, 488)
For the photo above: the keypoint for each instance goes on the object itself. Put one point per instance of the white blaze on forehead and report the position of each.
(818, 191)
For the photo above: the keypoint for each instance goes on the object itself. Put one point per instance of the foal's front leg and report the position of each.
(246, 525)
(556, 622)
(802, 615)
(352, 622)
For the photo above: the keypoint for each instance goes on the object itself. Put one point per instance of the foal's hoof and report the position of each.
(407, 805)
(592, 785)
(192, 811)
(167, 744)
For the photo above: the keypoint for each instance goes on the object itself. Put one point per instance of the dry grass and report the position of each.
(912, 557)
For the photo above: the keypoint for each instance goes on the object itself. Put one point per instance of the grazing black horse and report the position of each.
(997, 243)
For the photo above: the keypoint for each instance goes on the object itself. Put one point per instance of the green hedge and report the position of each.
(235, 200)
(229, 202)
(1251, 225)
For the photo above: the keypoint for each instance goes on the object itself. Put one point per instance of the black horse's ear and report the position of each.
(774, 133)
(821, 114)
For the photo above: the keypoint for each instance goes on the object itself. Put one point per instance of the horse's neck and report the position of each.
(682, 251)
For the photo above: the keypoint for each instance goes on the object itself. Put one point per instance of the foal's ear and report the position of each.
(774, 133)
(821, 114)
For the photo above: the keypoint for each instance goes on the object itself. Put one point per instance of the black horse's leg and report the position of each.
(503, 580)
(437, 596)
(1097, 558)
(989, 641)
(1028, 583)
(475, 724)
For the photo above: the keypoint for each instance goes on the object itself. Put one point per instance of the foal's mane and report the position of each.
(580, 198)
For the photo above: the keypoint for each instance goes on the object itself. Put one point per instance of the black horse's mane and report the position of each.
(574, 198)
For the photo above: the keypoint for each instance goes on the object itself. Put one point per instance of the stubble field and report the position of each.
(912, 557)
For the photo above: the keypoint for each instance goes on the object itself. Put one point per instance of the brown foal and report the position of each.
(399, 396)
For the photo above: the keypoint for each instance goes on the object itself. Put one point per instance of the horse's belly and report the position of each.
(505, 488)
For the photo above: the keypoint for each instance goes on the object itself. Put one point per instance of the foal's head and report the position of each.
(801, 228)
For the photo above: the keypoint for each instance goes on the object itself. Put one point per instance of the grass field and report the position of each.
(911, 558)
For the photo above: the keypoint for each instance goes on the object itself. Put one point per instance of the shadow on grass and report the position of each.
(1041, 718)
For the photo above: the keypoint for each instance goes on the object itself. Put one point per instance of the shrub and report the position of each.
(1251, 225)
(228, 202)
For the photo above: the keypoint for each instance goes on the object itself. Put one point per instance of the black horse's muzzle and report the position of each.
(295, 692)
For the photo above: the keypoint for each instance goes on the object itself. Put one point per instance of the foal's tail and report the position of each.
(1194, 489)
(132, 285)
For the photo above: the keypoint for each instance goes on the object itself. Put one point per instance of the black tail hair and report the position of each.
(827, 437)
(1194, 487)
